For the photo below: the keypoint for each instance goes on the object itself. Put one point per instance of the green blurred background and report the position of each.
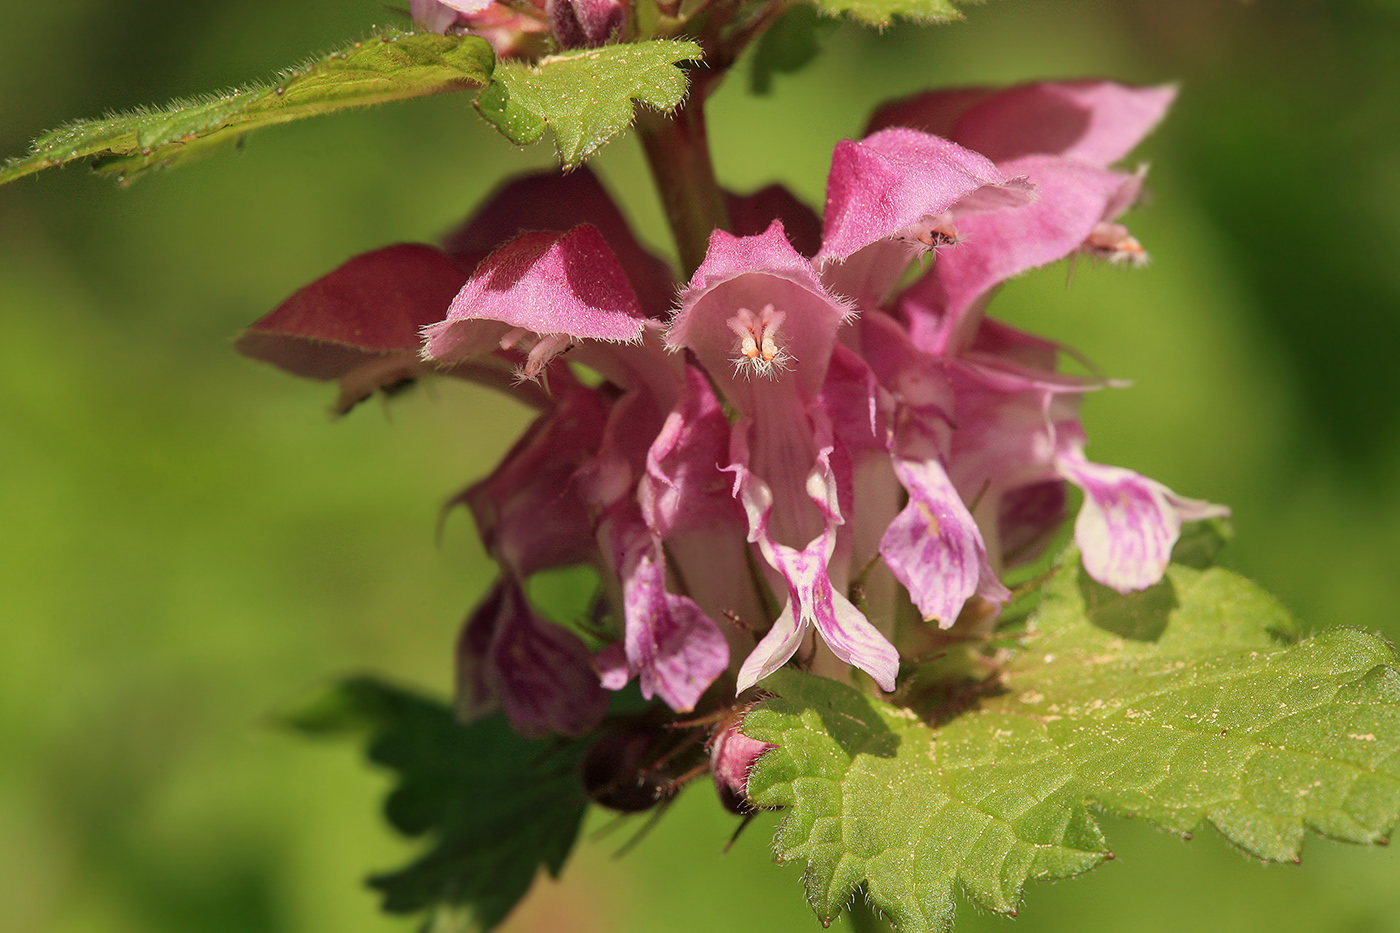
(191, 544)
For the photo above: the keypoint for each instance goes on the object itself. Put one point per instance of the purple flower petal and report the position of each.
(559, 201)
(1098, 122)
(741, 280)
(1128, 523)
(675, 649)
(359, 324)
(933, 546)
(558, 288)
(531, 513)
(539, 673)
(896, 194)
(812, 601)
(994, 247)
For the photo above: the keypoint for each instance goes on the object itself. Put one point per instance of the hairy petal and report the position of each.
(548, 284)
(540, 674)
(359, 325)
(559, 201)
(1128, 523)
(1098, 122)
(883, 188)
(944, 306)
(675, 649)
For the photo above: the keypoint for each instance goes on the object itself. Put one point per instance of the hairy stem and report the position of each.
(678, 152)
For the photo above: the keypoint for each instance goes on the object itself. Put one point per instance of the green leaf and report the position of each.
(883, 12)
(494, 806)
(391, 65)
(585, 96)
(1190, 702)
(789, 45)
(875, 799)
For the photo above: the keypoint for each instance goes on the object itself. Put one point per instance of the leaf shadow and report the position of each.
(856, 726)
(1138, 616)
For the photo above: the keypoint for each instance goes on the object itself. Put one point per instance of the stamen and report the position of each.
(542, 352)
(513, 336)
(930, 233)
(757, 349)
(1115, 244)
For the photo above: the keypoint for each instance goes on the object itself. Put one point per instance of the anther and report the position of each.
(1114, 243)
(758, 350)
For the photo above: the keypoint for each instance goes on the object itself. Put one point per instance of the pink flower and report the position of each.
(788, 456)
(514, 31)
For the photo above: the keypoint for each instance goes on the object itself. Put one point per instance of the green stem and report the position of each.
(678, 152)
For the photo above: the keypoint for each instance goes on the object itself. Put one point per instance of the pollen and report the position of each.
(757, 349)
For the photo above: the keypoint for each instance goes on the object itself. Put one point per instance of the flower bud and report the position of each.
(585, 23)
(732, 757)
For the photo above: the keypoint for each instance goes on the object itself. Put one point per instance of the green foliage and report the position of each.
(883, 12)
(789, 45)
(495, 806)
(391, 65)
(585, 96)
(1185, 703)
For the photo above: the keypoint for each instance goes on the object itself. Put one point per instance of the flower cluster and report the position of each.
(520, 29)
(791, 456)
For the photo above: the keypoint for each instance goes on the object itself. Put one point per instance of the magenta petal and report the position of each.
(1074, 197)
(847, 632)
(559, 201)
(746, 275)
(752, 214)
(548, 284)
(1098, 122)
(674, 648)
(540, 673)
(1128, 523)
(530, 512)
(935, 112)
(373, 304)
(359, 324)
(882, 184)
(933, 546)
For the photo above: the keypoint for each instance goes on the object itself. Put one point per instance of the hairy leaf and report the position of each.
(883, 12)
(392, 65)
(494, 806)
(586, 96)
(1190, 702)
(876, 797)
